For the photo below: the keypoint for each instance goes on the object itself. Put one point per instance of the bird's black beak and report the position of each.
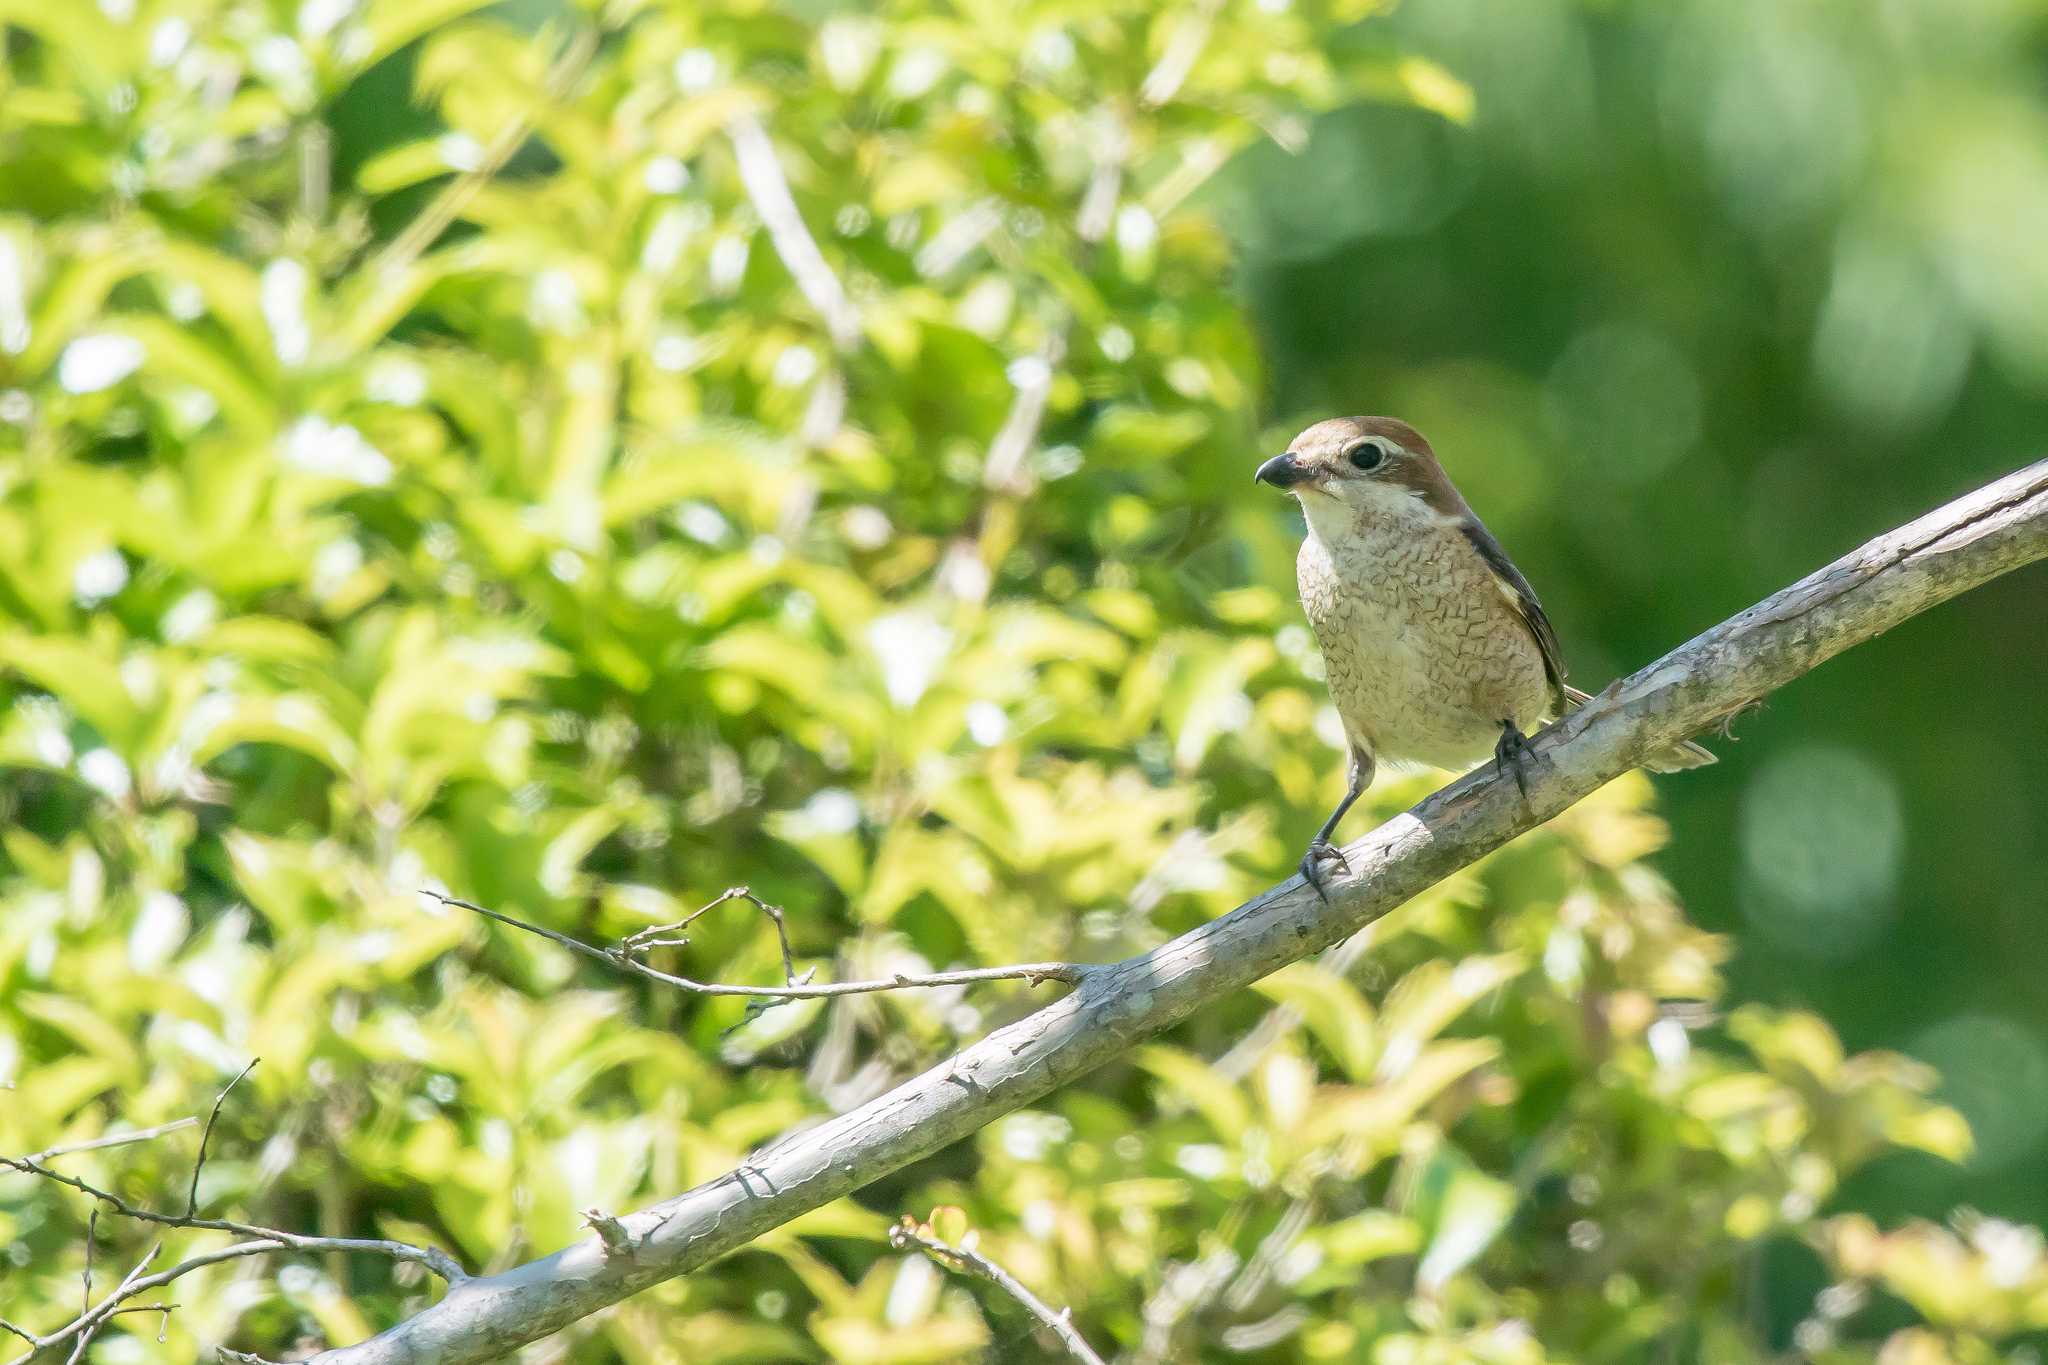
(1282, 471)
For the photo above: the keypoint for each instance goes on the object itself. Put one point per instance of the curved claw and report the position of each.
(1316, 862)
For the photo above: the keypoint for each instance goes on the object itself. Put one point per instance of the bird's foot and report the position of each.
(1514, 754)
(1317, 862)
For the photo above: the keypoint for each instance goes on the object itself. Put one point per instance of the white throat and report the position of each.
(1370, 507)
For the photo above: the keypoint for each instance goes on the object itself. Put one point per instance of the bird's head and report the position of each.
(1366, 463)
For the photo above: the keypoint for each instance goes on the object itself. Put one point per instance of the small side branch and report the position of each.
(965, 1259)
(113, 1140)
(672, 936)
(206, 1134)
(1033, 376)
(122, 1292)
(617, 1240)
(621, 957)
(768, 190)
(81, 1330)
(440, 1262)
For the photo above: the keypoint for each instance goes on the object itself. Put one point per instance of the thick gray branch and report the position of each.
(1978, 537)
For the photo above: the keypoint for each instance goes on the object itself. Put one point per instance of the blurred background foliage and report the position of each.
(584, 456)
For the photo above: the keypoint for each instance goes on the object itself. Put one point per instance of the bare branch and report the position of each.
(1032, 378)
(94, 1321)
(1183, 1288)
(440, 1262)
(1073, 973)
(768, 190)
(199, 1162)
(87, 1325)
(113, 1140)
(652, 936)
(92, 1228)
(1989, 532)
(965, 1258)
(958, 237)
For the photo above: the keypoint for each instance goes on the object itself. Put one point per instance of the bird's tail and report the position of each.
(1679, 757)
(1675, 759)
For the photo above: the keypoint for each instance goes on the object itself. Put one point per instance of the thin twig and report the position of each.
(1072, 973)
(1032, 377)
(113, 1140)
(651, 937)
(114, 1304)
(199, 1162)
(768, 191)
(440, 1262)
(37, 1343)
(960, 235)
(122, 1291)
(265, 1239)
(966, 1259)
(92, 1228)
(87, 1325)
(1181, 1290)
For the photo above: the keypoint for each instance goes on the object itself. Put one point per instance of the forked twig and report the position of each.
(94, 1321)
(967, 1260)
(113, 1305)
(81, 1330)
(651, 937)
(1072, 973)
(440, 1262)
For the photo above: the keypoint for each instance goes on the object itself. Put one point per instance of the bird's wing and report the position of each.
(1522, 597)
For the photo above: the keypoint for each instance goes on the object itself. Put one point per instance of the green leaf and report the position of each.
(1199, 1085)
(1332, 1008)
(1461, 1210)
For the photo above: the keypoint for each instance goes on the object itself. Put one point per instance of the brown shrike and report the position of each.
(1435, 646)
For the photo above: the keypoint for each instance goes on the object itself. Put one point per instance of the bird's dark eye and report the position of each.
(1366, 455)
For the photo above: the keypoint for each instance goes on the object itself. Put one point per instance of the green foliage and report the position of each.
(574, 560)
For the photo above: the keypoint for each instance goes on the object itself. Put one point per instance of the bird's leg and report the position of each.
(1513, 753)
(1321, 852)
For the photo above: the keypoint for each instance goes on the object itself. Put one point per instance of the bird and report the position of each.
(1435, 648)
